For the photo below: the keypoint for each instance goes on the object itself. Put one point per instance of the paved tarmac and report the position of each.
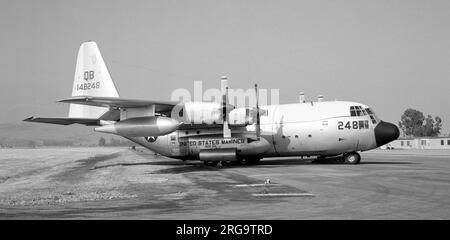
(118, 183)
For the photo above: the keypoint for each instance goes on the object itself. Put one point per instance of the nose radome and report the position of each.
(386, 132)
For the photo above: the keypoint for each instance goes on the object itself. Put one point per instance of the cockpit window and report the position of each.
(357, 111)
(372, 115)
(352, 111)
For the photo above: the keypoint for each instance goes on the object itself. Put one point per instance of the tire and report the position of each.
(352, 158)
(252, 161)
(319, 159)
(210, 163)
(228, 163)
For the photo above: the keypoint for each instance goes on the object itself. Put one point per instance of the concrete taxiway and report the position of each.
(121, 183)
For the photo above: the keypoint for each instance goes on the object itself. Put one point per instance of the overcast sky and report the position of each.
(390, 55)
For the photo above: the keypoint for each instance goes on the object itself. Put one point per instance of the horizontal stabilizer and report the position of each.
(65, 121)
(113, 102)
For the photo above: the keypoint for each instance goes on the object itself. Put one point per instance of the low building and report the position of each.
(419, 143)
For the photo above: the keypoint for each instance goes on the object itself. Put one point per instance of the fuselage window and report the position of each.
(448, 142)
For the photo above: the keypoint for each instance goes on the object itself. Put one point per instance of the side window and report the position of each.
(448, 142)
(361, 124)
(402, 143)
(442, 142)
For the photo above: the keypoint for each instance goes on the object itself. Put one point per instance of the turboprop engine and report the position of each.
(141, 126)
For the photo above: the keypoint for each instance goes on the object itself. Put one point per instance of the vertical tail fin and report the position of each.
(91, 79)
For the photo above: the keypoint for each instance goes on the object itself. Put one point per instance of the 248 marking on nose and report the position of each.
(361, 124)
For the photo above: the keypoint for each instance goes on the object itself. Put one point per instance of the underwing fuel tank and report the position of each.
(141, 127)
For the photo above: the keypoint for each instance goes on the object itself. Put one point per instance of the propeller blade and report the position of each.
(258, 120)
(224, 88)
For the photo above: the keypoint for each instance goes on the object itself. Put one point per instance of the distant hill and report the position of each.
(23, 134)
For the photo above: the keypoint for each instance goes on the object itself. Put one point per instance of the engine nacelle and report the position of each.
(203, 112)
(141, 126)
(242, 116)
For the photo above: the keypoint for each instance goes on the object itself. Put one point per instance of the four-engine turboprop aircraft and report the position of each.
(218, 132)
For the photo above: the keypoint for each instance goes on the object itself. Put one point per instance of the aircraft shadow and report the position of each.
(388, 163)
(196, 166)
(157, 163)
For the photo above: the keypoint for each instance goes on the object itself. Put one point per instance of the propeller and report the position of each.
(258, 120)
(224, 88)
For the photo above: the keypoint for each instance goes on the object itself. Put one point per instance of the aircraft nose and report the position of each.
(386, 132)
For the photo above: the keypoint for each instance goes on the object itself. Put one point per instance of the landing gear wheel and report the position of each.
(319, 159)
(352, 158)
(252, 161)
(210, 163)
(239, 161)
(227, 163)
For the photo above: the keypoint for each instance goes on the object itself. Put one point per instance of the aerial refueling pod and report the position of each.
(141, 126)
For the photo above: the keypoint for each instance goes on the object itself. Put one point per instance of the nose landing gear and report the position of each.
(351, 158)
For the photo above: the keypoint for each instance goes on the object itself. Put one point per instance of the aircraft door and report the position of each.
(176, 146)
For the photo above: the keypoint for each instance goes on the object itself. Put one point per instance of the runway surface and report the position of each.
(104, 183)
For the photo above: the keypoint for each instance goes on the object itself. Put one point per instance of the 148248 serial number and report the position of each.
(87, 86)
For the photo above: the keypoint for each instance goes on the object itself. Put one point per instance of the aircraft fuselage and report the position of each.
(303, 129)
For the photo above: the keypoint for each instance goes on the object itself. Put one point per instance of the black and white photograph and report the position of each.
(225, 110)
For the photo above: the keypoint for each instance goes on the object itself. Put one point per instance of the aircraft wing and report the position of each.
(113, 102)
(65, 121)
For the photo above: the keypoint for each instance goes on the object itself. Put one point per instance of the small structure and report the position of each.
(302, 98)
(419, 143)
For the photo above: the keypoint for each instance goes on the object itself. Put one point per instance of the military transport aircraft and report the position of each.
(216, 132)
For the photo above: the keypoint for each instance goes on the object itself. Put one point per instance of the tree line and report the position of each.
(413, 123)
